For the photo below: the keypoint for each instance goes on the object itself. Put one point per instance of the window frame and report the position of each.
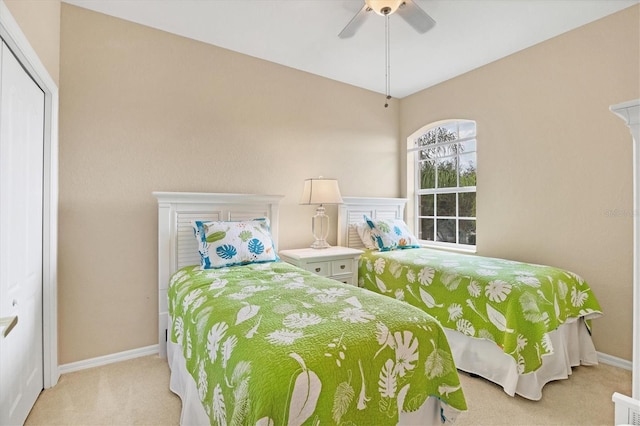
(414, 149)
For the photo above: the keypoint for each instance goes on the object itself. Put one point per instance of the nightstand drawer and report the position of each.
(319, 268)
(347, 279)
(343, 266)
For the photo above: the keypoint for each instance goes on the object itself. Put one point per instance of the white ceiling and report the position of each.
(303, 34)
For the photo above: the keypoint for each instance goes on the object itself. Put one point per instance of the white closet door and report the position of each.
(21, 192)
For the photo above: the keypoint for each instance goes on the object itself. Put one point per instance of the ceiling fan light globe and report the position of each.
(384, 7)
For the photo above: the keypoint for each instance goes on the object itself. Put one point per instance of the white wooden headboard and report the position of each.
(177, 247)
(354, 208)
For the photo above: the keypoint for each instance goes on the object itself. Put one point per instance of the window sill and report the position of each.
(446, 247)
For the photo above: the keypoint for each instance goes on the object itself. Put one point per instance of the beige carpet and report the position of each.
(136, 392)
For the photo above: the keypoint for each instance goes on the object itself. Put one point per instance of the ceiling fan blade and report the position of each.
(416, 17)
(355, 23)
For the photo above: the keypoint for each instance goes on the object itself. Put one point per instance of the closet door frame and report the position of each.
(13, 36)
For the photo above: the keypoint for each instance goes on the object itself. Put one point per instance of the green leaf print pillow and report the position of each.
(391, 234)
(229, 243)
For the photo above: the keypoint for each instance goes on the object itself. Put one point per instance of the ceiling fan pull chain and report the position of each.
(387, 61)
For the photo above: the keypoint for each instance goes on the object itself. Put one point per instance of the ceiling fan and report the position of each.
(406, 9)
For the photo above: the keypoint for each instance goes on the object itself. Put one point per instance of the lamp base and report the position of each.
(320, 228)
(320, 244)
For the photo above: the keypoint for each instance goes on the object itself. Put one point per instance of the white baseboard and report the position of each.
(153, 350)
(108, 359)
(615, 361)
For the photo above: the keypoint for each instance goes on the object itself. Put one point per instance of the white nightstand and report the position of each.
(338, 263)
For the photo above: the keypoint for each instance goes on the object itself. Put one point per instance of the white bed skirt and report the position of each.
(572, 346)
(183, 385)
(193, 413)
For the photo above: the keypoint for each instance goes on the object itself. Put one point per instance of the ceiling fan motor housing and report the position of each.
(384, 7)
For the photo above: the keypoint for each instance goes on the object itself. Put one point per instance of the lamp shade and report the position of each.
(321, 191)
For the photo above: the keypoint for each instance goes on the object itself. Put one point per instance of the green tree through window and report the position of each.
(445, 183)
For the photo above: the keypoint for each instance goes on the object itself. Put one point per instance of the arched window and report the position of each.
(445, 183)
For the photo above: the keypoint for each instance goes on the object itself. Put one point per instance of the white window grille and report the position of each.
(445, 166)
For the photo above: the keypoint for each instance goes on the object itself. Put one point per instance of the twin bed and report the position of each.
(259, 341)
(518, 325)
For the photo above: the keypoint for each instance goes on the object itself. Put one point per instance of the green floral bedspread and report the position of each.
(272, 344)
(511, 303)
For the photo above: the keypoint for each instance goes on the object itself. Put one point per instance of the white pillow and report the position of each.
(229, 243)
(364, 232)
(391, 234)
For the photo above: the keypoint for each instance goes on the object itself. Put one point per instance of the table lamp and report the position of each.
(320, 191)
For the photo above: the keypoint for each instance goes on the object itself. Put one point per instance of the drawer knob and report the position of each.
(317, 269)
(343, 266)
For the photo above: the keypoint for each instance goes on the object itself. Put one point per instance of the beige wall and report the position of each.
(39, 20)
(142, 110)
(554, 165)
